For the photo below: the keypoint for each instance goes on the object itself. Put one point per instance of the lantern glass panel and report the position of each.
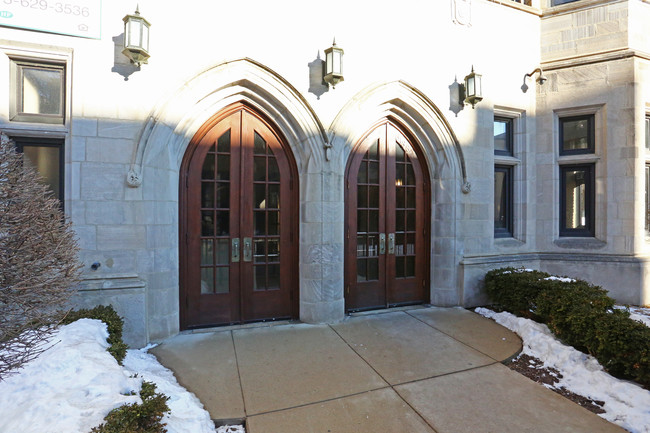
(471, 91)
(329, 62)
(145, 37)
(336, 64)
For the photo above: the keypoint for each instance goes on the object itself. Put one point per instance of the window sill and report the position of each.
(506, 160)
(510, 242)
(578, 159)
(580, 243)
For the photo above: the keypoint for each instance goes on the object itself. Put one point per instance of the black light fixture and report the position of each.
(541, 79)
(471, 92)
(136, 38)
(333, 65)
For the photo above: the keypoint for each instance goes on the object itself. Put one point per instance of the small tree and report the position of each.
(38, 260)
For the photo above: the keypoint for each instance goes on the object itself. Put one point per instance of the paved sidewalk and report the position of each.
(420, 369)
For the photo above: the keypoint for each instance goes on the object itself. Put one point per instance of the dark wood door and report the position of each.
(387, 220)
(238, 225)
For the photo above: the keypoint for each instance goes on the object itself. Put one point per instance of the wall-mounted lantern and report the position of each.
(472, 91)
(136, 38)
(333, 65)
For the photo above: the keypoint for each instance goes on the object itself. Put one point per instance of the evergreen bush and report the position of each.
(579, 314)
(114, 323)
(135, 417)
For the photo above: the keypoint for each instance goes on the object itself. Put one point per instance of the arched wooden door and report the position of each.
(387, 222)
(238, 228)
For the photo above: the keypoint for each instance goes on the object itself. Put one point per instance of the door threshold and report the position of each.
(266, 324)
(388, 310)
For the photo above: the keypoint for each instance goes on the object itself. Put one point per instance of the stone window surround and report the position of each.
(517, 162)
(46, 54)
(600, 223)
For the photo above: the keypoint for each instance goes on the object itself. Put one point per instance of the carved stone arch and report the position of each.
(172, 124)
(415, 112)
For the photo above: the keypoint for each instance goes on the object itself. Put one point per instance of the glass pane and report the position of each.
(399, 244)
(274, 171)
(223, 143)
(207, 223)
(273, 250)
(500, 197)
(410, 243)
(409, 266)
(223, 251)
(575, 199)
(373, 172)
(273, 282)
(274, 196)
(399, 197)
(259, 277)
(362, 221)
(400, 178)
(410, 197)
(399, 267)
(373, 197)
(410, 175)
(223, 285)
(373, 151)
(259, 254)
(223, 167)
(373, 246)
(223, 195)
(362, 176)
(575, 134)
(207, 172)
(42, 91)
(45, 159)
(373, 221)
(259, 168)
(362, 250)
(207, 194)
(399, 153)
(361, 270)
(223, 223)
(207, 251)
(362, 196)
(373, 269)
(502, 135)
(259, 198)
(410, 220)
(207, 281)
(259, 145)
(259, 223)
(274, 223)
(399, 220)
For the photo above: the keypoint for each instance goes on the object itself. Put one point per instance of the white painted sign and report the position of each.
(67, 17)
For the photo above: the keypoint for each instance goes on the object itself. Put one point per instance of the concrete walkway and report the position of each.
(410, 370)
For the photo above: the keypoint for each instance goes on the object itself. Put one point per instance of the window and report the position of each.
(577, 198)
(647, 132)
(38, 92)
(46, 156)
(503, 136)
(503, 201)
(647, 198)
(577, 135)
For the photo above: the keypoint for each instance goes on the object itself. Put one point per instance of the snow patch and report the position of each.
(626, 404)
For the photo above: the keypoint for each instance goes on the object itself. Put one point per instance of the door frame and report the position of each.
(427, 193)
(293, 228)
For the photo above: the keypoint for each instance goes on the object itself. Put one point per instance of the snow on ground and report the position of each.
(73, 384)
(626, 404)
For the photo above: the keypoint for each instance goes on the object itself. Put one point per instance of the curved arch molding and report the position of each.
(176, 119)
(413, 110)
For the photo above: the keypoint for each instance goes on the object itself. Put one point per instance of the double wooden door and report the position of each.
(238, 224)
(387, 219)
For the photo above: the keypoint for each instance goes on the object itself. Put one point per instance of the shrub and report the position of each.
(38, 260)
(579, 314)
(135, 417)
(113, 322)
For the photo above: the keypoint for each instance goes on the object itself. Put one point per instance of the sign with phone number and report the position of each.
(68, 17)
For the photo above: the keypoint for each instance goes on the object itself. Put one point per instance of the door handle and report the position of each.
(391, 243)
(248, 249)
(382, 243)
(234, 251)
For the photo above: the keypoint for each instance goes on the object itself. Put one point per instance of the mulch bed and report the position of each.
(534, 369)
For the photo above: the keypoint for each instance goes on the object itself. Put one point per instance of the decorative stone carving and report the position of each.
(461, 12)
(133, 179)
(466, 187)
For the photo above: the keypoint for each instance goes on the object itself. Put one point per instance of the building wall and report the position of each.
(127, 130)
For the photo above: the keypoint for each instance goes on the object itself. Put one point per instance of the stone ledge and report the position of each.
(111, 282)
